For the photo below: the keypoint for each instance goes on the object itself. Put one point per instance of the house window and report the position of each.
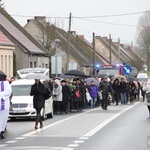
(43, 65)
(31, 65)
(35, 64)
(1, 62)
(6, 62)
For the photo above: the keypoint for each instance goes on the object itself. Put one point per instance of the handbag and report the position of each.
(148, 97)
(2, 101)
(77, 93)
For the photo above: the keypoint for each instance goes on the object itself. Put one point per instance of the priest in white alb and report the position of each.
(5, 92)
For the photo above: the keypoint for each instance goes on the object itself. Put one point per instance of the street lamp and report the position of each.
(56, 52)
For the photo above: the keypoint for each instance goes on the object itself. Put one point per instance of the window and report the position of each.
(35, 64)
(31, 65)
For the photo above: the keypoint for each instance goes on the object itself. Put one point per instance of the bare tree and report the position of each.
(143, 38)
(47, 36)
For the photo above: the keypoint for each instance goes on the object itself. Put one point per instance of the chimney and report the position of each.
(81, 36)
(42, 19)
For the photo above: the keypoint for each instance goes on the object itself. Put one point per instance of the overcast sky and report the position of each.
(125, 27)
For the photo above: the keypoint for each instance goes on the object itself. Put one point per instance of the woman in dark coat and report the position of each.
(115, 87)
(38, 91)
(66, 96)
(77, 94)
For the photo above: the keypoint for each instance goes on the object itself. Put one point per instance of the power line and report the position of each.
(108, 23)
(115, 15)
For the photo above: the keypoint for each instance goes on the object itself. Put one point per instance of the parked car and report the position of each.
(142, 77)
(22, 102)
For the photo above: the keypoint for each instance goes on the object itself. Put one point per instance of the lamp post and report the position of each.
(56, 52)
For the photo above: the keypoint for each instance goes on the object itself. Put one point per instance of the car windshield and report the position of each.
(21, 90)
(108, 72)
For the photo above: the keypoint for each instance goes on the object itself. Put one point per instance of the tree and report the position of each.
(143, 38)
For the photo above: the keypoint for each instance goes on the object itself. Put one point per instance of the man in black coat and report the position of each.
(123, 89)
(38, 91)
(66, 96)
(105, 88)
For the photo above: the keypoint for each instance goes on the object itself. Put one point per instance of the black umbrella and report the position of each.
(76, 73)
(131, 79)
(3, 74)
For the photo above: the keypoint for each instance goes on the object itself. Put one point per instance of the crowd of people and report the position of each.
(77, 94)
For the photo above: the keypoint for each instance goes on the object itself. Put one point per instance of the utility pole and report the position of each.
(69, 33)
(93, 54)
(110, 41)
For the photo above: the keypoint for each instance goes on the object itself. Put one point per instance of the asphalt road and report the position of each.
(119, 128)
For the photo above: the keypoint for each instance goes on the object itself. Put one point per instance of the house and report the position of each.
(29, 53)
(73, 48)
(6, 55)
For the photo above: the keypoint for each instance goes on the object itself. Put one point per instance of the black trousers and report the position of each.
(64, 106)
(104, 100)
(38, 116)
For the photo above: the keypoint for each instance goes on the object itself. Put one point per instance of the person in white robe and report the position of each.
(5, 92)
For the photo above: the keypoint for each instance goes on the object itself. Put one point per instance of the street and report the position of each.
(120, 128)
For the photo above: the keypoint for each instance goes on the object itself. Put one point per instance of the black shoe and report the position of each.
(41, 125)
(36, 126)
(2, 135)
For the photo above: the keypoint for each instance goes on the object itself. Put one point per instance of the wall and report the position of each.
(6, 60)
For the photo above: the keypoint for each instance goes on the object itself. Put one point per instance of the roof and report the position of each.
(77, 52)
(4, 40)
(8, 24)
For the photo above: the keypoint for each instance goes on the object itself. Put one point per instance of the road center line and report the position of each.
(104, 123)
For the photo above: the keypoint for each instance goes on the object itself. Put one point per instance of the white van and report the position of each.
(22, 102)
(142, 77)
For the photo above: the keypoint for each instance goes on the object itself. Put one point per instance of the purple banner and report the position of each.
(2, 101)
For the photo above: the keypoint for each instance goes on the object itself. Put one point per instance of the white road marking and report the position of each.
(84, 138)
(73, 145)
(78, 142)
(11, 142)
(3, 145)
(20, 138)
(55, 123)
(104, 123)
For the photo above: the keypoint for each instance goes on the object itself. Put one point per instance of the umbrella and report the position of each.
(131, 79)
(2, 73)
(89, 80)
(37, 76)
(119, 77)
(63, 76)
(76, 73)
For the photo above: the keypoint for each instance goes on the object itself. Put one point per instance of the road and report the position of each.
(120, 128)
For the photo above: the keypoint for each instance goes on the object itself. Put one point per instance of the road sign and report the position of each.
(126, 70)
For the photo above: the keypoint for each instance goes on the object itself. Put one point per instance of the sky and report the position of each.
(103, 17)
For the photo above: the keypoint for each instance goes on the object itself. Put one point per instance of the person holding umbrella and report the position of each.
(38, 91)
(5, 93)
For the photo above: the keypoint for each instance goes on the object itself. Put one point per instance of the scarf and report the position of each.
(2, 101)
